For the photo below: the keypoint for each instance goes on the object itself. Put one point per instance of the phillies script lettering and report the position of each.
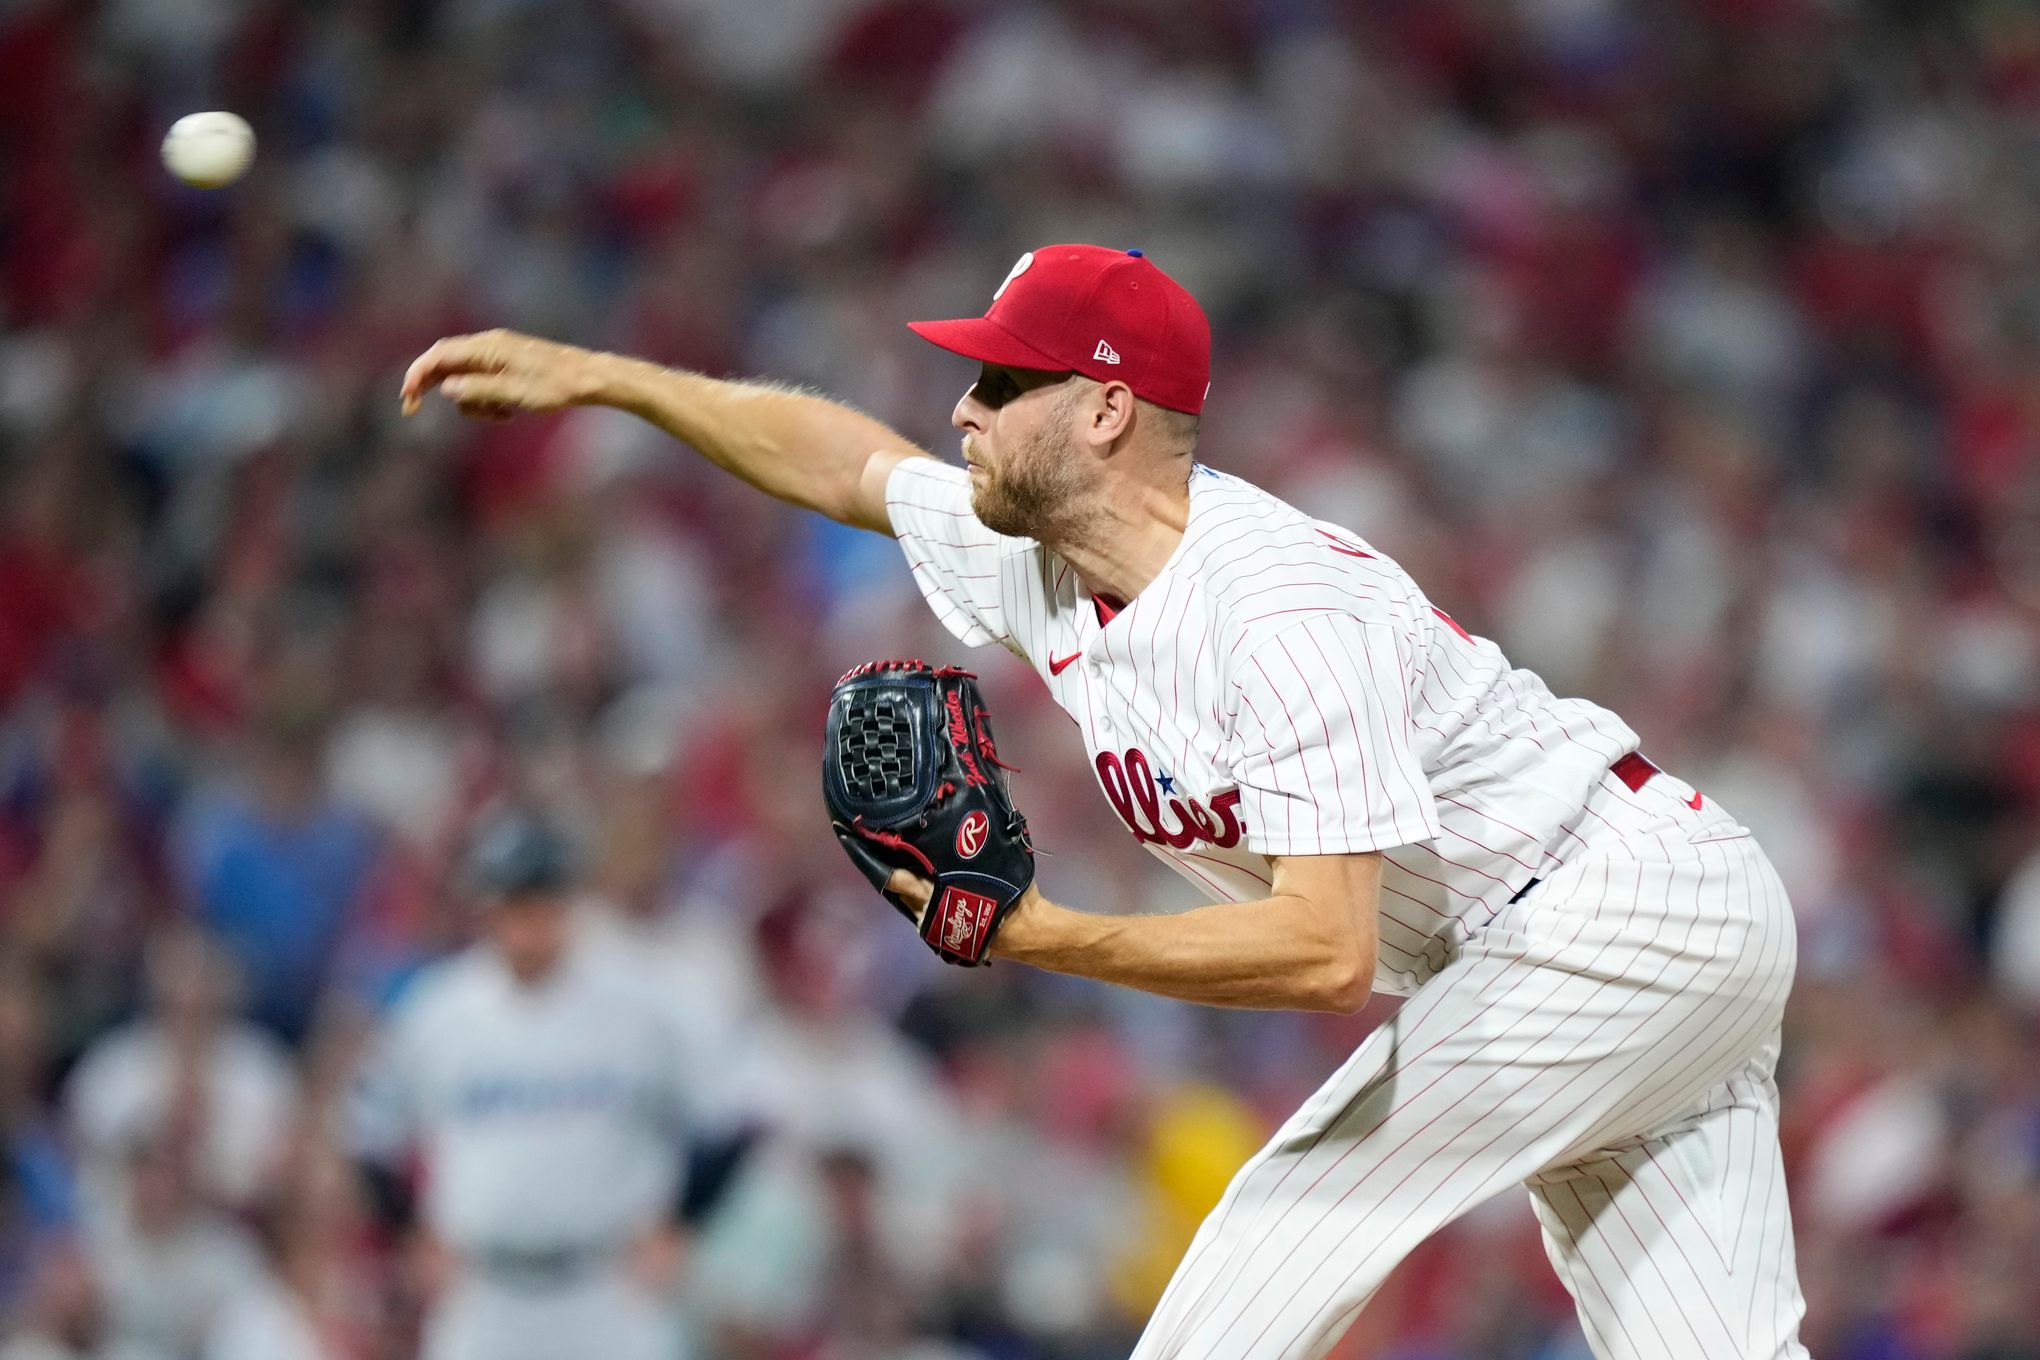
(1130, 787)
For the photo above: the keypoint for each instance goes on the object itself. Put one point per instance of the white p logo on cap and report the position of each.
(1019, 268)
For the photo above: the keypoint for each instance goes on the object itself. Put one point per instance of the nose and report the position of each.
(969, 414)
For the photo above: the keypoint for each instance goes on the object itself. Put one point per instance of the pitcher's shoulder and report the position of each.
(1263, 563)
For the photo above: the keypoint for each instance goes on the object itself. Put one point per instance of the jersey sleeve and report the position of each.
(957, 562)
(1322, 747)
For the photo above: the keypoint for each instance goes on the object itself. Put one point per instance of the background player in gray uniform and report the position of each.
(538, 1086)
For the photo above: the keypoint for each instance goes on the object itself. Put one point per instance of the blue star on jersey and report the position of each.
(1162, 778)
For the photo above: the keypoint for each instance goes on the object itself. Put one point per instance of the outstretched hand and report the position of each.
(495, 374)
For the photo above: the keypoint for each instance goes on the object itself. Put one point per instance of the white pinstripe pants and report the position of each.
(1609, 1042)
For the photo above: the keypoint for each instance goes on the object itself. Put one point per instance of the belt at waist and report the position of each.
(1634, 770)
(539, 1268)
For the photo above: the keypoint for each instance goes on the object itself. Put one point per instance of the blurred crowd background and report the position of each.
(1690, 348)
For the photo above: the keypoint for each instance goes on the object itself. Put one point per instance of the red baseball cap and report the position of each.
(1103, 313)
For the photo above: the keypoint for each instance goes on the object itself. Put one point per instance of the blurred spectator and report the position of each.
(319, 1300)
(64, 1317)
(188, 1069)
(1693, 351)
(2016, 960)
(38, 1207)
(864, 1145)
(395, 753)
(166, 1264)
(276, 867)
(823, 1274)
(1197, 1139)
(693, 947)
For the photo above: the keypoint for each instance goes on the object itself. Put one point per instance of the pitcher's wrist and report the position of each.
(635, 385)
(602, 379)
(1026, 928)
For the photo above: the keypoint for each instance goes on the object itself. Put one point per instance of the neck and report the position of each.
(1125, 536)
(533, 973)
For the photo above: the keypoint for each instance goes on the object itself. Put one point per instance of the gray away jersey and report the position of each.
(549, 1117)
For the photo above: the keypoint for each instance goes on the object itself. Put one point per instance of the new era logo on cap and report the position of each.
(1057, 301)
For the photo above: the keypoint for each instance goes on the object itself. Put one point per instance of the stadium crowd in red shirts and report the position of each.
(1690, 349)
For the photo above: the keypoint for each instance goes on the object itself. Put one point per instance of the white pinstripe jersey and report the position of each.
(1282, 688)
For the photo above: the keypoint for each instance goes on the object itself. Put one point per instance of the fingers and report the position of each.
(426, 371)
(456, 354)
(483, 390)
(911, 888)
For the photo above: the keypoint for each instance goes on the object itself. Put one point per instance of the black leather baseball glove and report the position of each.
(913, 781)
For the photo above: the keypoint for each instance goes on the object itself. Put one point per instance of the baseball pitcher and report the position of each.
(1596, 955)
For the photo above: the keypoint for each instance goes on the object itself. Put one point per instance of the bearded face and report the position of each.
(1031, 486)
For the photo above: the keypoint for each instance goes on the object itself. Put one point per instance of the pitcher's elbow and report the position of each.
(1345, 982)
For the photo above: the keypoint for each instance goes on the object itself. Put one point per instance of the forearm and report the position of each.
(800, 448)
(1272, 954)
(803, 449)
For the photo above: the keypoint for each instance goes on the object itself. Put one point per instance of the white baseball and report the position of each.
(209, 150)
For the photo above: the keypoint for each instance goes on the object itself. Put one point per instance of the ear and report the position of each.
(1108, 414)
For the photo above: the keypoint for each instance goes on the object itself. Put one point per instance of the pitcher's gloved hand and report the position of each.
(913, 782)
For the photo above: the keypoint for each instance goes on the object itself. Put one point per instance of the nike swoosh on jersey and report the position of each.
(1694, 801)
(1056, 665)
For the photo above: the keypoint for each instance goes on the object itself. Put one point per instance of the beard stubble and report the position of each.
(1036, 489)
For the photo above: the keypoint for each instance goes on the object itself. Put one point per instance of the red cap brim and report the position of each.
(985, 340)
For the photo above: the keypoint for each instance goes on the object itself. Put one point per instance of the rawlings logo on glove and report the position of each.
(913, 781)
